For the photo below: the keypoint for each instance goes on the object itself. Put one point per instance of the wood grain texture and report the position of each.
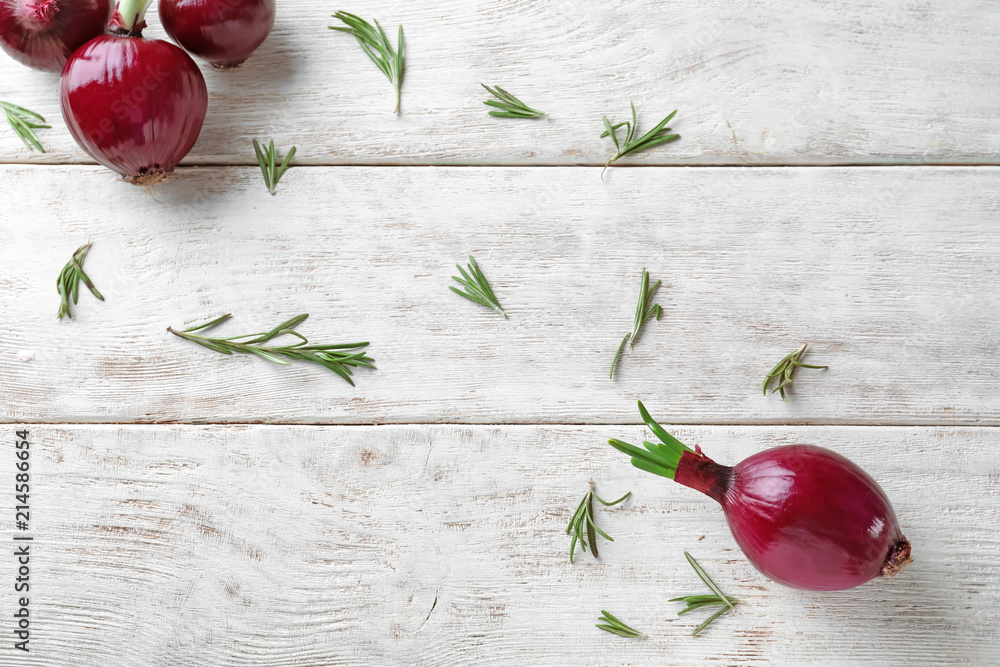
(782, 82)
(436, 538)
(445, 545)
(888, 273)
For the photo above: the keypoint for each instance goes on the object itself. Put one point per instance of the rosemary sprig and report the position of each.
(376, 45)
(477, 288)
(611, 624)
(68, 282)
(658, 135)
(784, 371)
(339, 358)
(24, 122)
(583, 520)
(510, 106)
(267, 159)
(643, 312)
(698, 601)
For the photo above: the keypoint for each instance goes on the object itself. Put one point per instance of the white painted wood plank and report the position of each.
(889, 274)
(782, 82)
(318, 546)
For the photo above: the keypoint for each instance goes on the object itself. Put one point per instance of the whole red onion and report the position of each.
(134, 105)
(44, 33)
(804, 516)
(223, 32)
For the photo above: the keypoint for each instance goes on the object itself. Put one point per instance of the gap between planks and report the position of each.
(706, 424)
(743, 163)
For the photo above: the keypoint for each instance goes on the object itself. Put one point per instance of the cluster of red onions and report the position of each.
(135, 105)
(804, 516)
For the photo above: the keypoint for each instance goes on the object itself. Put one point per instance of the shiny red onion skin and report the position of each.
(222, 32)
(135, 105)
(44, 33)
(804, 516)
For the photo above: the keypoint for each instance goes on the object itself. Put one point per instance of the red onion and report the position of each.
(44, 33)
(804, 516)
(135, 105)
(223, 32)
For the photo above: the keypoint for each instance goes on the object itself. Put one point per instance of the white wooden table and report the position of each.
(837, 183)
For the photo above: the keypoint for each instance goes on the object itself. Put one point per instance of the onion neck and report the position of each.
(129, 18)
(697, 471)
(39, 12)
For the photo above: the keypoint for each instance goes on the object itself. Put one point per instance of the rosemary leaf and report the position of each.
(339, 358)
(693, 606)
(784, 370)
(209, 324)
(660, 134)
(377, 47)
(477, 288)
(704, 624)
(24, 122)
(618, 352)
(510, 106)
(267, 159)
(68, 282)
(644, 310)
(611, 624)
(583, 520)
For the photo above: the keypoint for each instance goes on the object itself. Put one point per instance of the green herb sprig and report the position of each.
(376, 45)
(582, 526)
(698, 601)
(784, 370)
(644, 310)
(268, 161)
(611, 624)
(477, 288)
(68, 282)
(339, 358)
(658, 135)
(24, 122)
(510, 106)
